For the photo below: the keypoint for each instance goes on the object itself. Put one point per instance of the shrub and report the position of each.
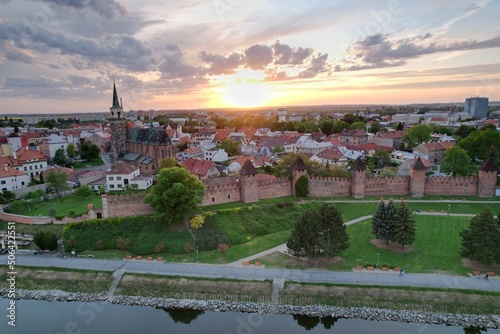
(84, 192)
(99, 244)
(160, 247)
(72, 243)
(188, 248)
(46, 240)
(52, 212)
(123, 243)
(302, 187)
(222, 248)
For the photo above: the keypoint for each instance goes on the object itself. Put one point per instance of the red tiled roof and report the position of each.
(197, 166)
(25, 154)
(7, 171)
(390, 134)
(121, 168)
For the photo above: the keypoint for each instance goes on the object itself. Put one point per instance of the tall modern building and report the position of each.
(476, 107)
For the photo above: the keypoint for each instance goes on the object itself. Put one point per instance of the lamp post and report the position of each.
(449, 208)
(376, 264)
(194, 241)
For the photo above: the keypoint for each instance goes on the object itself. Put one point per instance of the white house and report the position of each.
(216, 155)
(32, 162)
(12, 179)
(52, 143)
(142, 182)
(120, 176)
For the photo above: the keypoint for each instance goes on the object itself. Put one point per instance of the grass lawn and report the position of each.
(83, 164)
(436, 249)
(63, 206)
(32, 229)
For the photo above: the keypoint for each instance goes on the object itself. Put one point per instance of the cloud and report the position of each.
(258, 56)
(318, 65)
(173, 66)
(378, 51)
(285, 55)
(106, 8)
(221, 64)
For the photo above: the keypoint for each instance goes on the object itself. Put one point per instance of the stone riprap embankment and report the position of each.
(460, 320)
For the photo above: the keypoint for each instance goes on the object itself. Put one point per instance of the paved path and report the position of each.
(259, 273)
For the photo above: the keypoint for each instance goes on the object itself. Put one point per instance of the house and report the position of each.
(308, 145)
(405, 167)
(353, 137)
(142, 182)
(51, 144)
(101, 140)
(203, 169)
(433, 151)
(71, 174)
(330, 156)
(30, 161)
(388, 138)
(120, 176)
(12, 179)
(257, 161)
(216, 155)
(191, 153)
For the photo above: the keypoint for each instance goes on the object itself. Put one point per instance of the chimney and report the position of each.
(14, 154)
(6, 167)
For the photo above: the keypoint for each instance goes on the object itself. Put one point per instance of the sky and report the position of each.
(61, 56)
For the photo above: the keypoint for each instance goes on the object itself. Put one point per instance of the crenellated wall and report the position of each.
(447, 185)
(329, 187)
(226, 190)
(395, 185)
(125, 205)
(275, 188)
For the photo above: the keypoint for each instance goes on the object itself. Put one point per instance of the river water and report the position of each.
(79, 318)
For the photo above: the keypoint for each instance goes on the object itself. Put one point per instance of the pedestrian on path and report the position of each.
(486, 276)
(401, 272)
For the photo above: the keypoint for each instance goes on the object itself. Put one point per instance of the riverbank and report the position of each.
(263, 309)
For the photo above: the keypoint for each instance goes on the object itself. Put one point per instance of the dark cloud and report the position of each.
(258, 56)
(285, 55)
(106, 8)
(319, 64)
(220, 64)
(173, 65)
(378, 51)
(33, 82)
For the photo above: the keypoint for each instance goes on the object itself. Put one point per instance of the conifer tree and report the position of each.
(333, 237)
(480, 241)
(377, 219)
(404, 226)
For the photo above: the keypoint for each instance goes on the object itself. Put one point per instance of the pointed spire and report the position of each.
(488, 166)
(248, 169)
(358, 165)
(418, 164)
(299, 164)
(116, 103)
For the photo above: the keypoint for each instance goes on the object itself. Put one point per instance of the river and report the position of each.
(80, 318)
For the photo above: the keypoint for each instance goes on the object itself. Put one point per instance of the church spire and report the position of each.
(116, 107)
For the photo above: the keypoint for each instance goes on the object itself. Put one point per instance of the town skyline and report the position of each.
(62, 57)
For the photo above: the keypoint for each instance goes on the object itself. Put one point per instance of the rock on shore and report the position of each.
(365, 313)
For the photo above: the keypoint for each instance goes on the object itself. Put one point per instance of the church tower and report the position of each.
(118, 128)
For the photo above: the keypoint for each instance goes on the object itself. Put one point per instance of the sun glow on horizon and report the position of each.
(245, 89)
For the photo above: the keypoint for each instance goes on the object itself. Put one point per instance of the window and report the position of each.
(31, 167)
(120, 186)
(228, 196)
(111, 178)
(41, 166)
(213, 199)
(24, 167)
(22, 183)
(112, 186)
(118, 178)
(3, 182)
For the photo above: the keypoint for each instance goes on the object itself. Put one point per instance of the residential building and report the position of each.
(433, 151)
(51, 144)
(216, 155)
(31, 162)
(476, 107)
(203, 169)
(388, 138)
(120, 176)
(101, 140)
(353, 137)
(12, 179)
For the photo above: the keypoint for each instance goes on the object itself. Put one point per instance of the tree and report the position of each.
(416, 135)
(404, 229)
(375, 127)
(480, 241)
(478, 143)
(167, 163)
(456, 162)
(494, 155)
(326, 126)
(89, 151)
(314, 168)
(319, 233)
(381, 158)
(46, 240)
(70, 150)
(302, 187)
(58, 181)
(231, 147)
(84, 192)
(60, 159)
(6, 196)
(383, 221)
(377, 220)
(176, 195)
(196, 221)
(464, 130)
(358, 126)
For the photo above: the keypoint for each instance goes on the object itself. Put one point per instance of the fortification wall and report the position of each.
(128, 205)
(395, 185)
(275, 188)
(447, 185)
(329, 187)
(221, 193)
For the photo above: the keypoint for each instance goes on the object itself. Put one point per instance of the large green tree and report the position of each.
(480, 242)
(456, 162)
(478, 143)
(176, 195)
(417, 135)
(58, 181)
(60, 158)
(89, 151)
(231, 147)
(319, 233)
(383, 221)
(302, 187)
(381, 158)
(167, 163)
(70, 150)
(404, 230)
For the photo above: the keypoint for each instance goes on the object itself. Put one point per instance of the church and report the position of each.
(141, 147)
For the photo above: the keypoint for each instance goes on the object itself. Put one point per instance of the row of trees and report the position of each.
(394, 224)
(481, 240)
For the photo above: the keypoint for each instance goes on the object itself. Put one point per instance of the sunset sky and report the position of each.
(62, 55)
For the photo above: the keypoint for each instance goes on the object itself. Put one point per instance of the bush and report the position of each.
(72, 243)
(60, 217)
(160, 247)
(222, 248)
(123, 243)
(46, 240)
(84, 192)
(52, 212)
(302, 187)
(99, 245)
(188, 248)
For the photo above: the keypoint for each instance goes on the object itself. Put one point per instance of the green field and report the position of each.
(63, 206)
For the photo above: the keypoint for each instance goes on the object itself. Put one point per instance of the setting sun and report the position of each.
(246, 88)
